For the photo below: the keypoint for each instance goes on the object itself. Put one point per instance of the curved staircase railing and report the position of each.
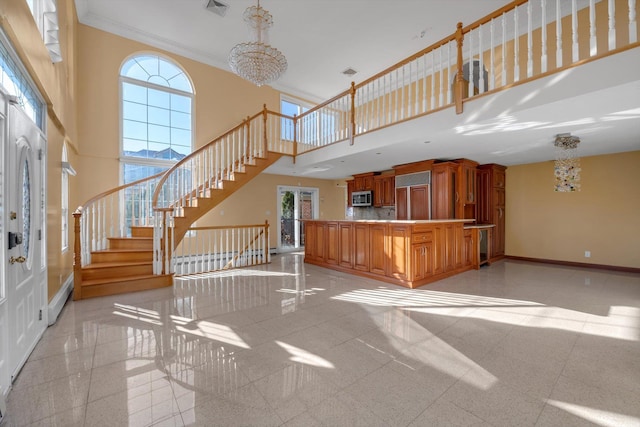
(197, 183)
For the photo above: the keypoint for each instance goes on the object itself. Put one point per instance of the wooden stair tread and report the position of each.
(116, 264)
(104, 251)
(130, 238)
(93, 282)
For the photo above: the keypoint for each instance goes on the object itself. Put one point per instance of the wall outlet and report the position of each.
(587, 254)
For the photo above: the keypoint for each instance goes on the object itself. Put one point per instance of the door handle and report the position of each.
(20, 260)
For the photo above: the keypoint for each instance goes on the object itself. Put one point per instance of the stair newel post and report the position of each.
(459, 87)
(295, 137)
(77, 255)
(266, 240)
(264, 135)
(353, 113)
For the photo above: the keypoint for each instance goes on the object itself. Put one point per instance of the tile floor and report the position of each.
(513, 344)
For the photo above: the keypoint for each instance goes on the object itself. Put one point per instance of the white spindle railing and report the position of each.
(324, 124)
(419, 85)
(112, 213)
(206, 249)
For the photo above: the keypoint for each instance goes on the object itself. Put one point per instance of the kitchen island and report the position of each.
(407, 253)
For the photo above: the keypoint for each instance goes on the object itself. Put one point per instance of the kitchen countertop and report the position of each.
(479, 226)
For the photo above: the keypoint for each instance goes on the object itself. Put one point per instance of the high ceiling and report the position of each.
(320, 39)
(599, 102)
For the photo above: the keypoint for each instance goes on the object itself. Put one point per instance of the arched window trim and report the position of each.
(143, 161)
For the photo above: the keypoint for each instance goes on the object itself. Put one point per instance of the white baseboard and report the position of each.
(56, 304)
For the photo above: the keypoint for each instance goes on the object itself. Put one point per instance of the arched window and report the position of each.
(157, 105)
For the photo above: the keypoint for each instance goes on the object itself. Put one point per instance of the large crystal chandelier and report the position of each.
(256, 60)
(567, 165)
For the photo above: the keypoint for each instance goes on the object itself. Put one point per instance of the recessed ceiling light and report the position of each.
(427, 142)
(378, 153)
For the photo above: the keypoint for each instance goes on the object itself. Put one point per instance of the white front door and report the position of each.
(25, 265)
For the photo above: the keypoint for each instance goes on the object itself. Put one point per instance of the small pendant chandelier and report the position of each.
(257, 61)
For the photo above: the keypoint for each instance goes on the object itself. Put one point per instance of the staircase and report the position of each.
(126, 266)
(118, 263)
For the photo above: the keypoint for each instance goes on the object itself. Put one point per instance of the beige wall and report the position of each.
(222, 101)
(602, 218)
(257, 201)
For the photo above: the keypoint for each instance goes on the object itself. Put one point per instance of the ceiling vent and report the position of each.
(217, 7)
(349, 72)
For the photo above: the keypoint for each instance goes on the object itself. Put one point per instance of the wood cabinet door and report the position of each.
(445, 191)
(321, 229)
(310, 240)
(419, 202)
(418, 264)
(468, 249)
(449, 247)
(499, 176)
(368, 183)
(378, 249)
(378, 193)
(498, 196)
(400, 239)
(331, 247)
(439, 249)
(345, 244)
(458, 245)
(402, 212)
(389, 191)
(361, 247)
(350, 188)
(498, 232)
(484, 195)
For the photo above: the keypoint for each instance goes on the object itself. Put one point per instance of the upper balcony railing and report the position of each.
(523, 40)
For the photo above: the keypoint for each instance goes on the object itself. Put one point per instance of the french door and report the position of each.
(25, 262)
(294, 205)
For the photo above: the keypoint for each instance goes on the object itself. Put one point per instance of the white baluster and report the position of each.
(575, 54)
(424, 83)
(448, 73)
(516, 47)
(402, 87)
(504, 50)
(593, 41)
(633, 26)
(441, 74)
(471, 85)
(432, 99)
(529, 39)
(612, 24)
(558, 35)
(480, 62)
(543, 57)
(492, 66)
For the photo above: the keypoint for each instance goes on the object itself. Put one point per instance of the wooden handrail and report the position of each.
(325, 103)
(495, 14)
(79, 209)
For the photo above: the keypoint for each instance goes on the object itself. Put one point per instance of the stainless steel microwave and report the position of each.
(361, 198)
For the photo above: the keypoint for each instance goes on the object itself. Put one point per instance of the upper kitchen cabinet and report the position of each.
(350, 189)
(444, 178)
(466, 197)
(363, 181)
(384, 190)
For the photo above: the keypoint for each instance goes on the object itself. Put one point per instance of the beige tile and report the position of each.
(443, 413)
(498, 404)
